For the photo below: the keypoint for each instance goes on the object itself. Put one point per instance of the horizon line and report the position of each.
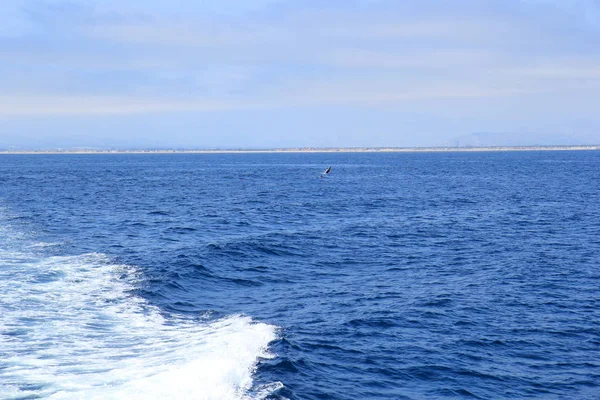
(382, 149)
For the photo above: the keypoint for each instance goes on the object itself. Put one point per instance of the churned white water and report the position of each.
(71, 328)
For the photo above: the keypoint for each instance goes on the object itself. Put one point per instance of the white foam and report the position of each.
(71, 328)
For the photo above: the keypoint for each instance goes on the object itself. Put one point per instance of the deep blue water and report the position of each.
(397, 276)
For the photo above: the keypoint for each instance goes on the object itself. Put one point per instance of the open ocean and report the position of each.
(248, 276)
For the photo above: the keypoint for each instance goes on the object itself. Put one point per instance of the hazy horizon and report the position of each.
(83, 149)
(298, 73)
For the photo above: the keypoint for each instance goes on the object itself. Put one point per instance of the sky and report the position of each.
(298, 73)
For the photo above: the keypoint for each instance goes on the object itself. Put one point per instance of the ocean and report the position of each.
(444, 275)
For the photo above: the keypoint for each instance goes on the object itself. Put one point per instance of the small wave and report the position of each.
(162, 213)
(243, 282)
(181, 229)
(42, 245)
(380, 323)
(256, 247)
(286, 365)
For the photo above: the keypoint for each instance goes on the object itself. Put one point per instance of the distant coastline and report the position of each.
(306, 150)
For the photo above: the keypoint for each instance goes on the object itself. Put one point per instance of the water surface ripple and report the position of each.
(397, 276)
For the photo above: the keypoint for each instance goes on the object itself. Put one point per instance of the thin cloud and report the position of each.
(304, 95)
(559, 72)
(107, 58)
(101, 105)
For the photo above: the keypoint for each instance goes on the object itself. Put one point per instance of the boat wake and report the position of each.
(72, 327)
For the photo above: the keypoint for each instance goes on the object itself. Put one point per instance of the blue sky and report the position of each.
(279, 73)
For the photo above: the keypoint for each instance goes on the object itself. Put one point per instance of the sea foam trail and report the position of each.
(70, 328)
